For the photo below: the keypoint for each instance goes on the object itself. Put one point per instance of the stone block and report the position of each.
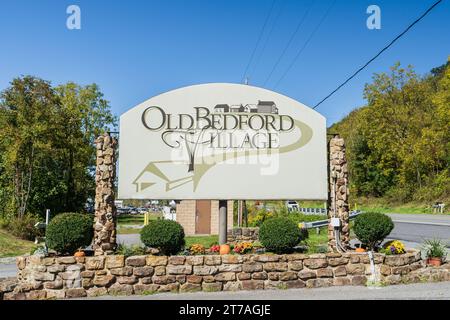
(95, 263)
(315, 263)
(145, 288)
(121, 289)
(177, 260)
(307, 274)
(115, 261)
(225, 276)
(213, 260)
(143, 271)
(190, 287)
(252, 284)
(124, 271)
(275, 266)
(76, 293)
(155, 261)
(205, 270)
(212, 286)
(194, 260)
(136, 261)
(179, 269)
(252, 267)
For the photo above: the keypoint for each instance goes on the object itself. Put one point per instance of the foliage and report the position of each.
(394, 247)
(372, 227)
(197, 249)
(68, 232)
(243, 247)
(398, 145)
(24, 228)
(166, 235)
(127, 251)
(434, 248)
(279, 235)
(47, 152)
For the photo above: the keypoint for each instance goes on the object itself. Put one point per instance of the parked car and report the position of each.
(292, 205)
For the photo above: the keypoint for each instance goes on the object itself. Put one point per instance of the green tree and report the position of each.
(47, 152)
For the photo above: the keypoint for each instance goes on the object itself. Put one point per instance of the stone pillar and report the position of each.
(105, 210)
(338, 189)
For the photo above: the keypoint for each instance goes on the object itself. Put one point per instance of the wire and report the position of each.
(268, 37)
(306, 43)
(378, 54)
(300, 23)
(259, 39)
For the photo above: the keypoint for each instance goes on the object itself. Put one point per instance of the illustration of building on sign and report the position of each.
(222, 108)
(261, 107)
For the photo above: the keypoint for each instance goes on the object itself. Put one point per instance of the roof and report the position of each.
(266, 103)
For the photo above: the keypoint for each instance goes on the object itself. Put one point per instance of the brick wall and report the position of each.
(186, 216)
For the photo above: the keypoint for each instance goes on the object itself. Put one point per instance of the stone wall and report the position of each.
(70, 277)
(239, 234)
(105, 211)
(339, 189)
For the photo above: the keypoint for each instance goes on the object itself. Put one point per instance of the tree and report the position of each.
(47, 153)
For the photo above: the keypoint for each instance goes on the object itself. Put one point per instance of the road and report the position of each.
(414, 228)
(437, 290)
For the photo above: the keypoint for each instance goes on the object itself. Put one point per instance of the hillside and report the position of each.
(398, 145)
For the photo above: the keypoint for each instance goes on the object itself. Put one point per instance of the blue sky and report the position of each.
(137, 49)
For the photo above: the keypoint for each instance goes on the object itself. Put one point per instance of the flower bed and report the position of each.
(71, 277)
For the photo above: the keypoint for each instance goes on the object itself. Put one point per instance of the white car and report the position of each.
(292, 205)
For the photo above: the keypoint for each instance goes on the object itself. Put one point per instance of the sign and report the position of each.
(222, 141)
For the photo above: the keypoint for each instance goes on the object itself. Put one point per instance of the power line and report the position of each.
(300, 23)
(259, 39)
(268, 37)
(306, 43)
(379, 53)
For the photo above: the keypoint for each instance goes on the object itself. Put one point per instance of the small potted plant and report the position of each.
(435, 252)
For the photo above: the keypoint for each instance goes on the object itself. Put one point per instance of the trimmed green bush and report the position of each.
(372, 227)
(67, 232)
(165, 235)
(279, 235)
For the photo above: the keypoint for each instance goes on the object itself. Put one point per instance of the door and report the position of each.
(203, 217)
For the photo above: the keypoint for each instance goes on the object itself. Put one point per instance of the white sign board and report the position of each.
(222, 141)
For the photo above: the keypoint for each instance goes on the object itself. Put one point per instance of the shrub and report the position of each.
(166, 235)
(127, 251)
(279, 235)
(372, 227)
(24, 227)
(68, 232)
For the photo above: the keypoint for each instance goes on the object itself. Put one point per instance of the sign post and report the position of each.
(223, 221)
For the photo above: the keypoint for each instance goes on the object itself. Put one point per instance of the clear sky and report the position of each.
(137, 49)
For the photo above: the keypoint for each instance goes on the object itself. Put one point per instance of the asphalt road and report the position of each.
(437, 290)
(418, 227)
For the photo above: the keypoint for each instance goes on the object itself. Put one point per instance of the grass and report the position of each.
(383, 206)
(11, 246)
(206, 241)
(125, 220)
(316, 242)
